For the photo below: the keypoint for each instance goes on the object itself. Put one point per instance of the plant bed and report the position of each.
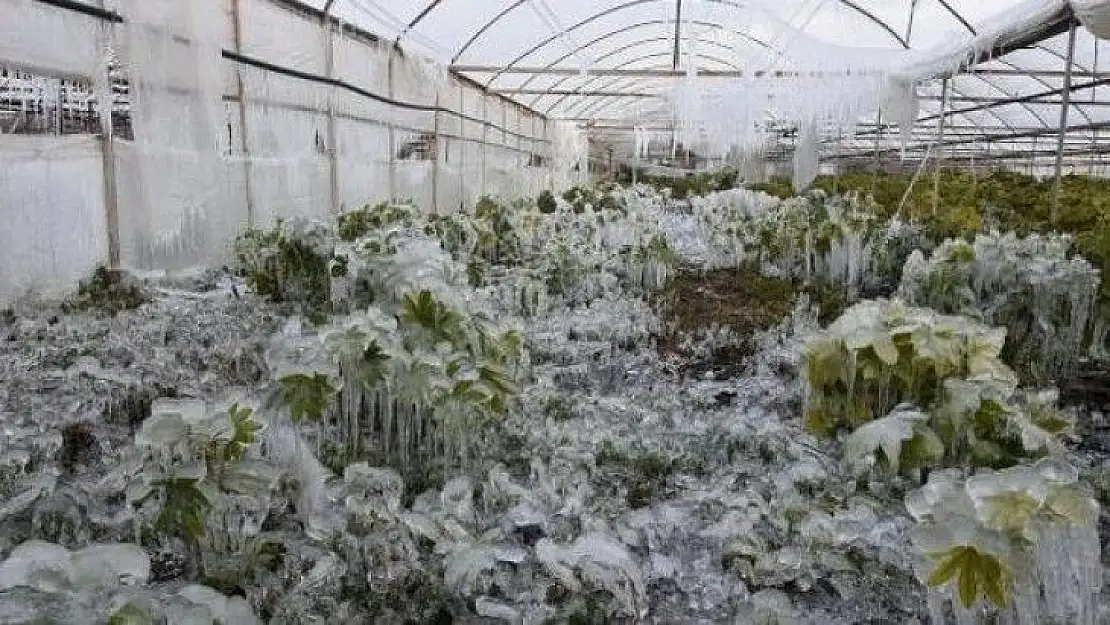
(741, 301)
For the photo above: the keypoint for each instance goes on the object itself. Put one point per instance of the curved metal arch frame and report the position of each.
(509, 9)
(633, 3)
(848, 3)
(585, 22)
(637, 25)
(614, 99)
(624, 65)
(886, 27)
(607, 55)
(562, 81)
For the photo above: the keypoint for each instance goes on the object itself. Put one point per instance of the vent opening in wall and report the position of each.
(422, 147)
(41, 104)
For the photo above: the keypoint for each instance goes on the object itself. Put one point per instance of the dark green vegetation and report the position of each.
(106, 291)
(645, 476)
(968, 203)
(694, 185)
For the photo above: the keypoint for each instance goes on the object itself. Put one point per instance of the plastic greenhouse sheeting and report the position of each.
(513, 46)
(1095, 15)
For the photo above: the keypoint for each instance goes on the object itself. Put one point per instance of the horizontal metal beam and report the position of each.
(648, 73)
(1004, 101)
(602, 94)
(991, 138)
(1057, 24)
(1034, 73)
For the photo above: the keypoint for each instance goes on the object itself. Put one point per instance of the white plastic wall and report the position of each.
(51, 207)
(228, 135)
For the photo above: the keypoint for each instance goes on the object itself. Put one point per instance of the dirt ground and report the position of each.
(740, 299)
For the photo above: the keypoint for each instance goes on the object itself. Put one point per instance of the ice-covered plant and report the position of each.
(354, 225)
(882, 353)
(288, 263)
(1044, 299)
(1017, 546)
(187, 462)
(653, 262)
(563, 268)
(915, 390)
(546, 203)
(498, 241)
(417, 373)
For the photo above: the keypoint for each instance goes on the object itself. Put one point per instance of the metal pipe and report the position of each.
(333, 136)
(244, 144)
(1065, 95)
(940, 142)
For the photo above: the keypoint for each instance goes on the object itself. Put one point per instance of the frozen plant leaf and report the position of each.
(887, 434)
(884, 348)
(1071, 505)
(131, 614)
(975, 573)
(307, 396)
(1010, 512)
(824, 362)
(244, 432)
(184, 509)
(925, 449)
(1033, 438)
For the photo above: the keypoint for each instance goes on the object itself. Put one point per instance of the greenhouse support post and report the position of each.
(436, 156)
(551, 157)
(108, 155)
(392, 133)
(240, 94)
(878, 140)
(1065, 104)
(332, 148)
(485, 143)
(944, 89)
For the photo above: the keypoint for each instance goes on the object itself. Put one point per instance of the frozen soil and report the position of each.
(623, 492)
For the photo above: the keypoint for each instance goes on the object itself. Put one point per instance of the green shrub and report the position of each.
(546, 203)
(108, 291)
(920, 390)
(289, 263)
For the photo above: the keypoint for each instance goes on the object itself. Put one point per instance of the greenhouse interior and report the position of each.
(554, 312)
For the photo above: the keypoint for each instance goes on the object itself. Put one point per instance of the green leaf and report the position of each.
(950, 565)
(244, 432)
(308, 397)
(1010, 512)
(925, 449)
(183, 513)
(131, 614)
(975, 572)
(968, 586)
(1070, 504)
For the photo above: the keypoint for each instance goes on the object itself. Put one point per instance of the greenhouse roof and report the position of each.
(617, 64)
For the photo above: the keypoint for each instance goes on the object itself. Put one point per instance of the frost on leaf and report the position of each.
(974, 574)
(887, 434)
(307, 396)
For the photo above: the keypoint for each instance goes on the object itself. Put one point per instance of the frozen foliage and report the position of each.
(1021, 543)
(1044, 299)
(40, 581)
(925, 390)
(481, 429)
(836, 241)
